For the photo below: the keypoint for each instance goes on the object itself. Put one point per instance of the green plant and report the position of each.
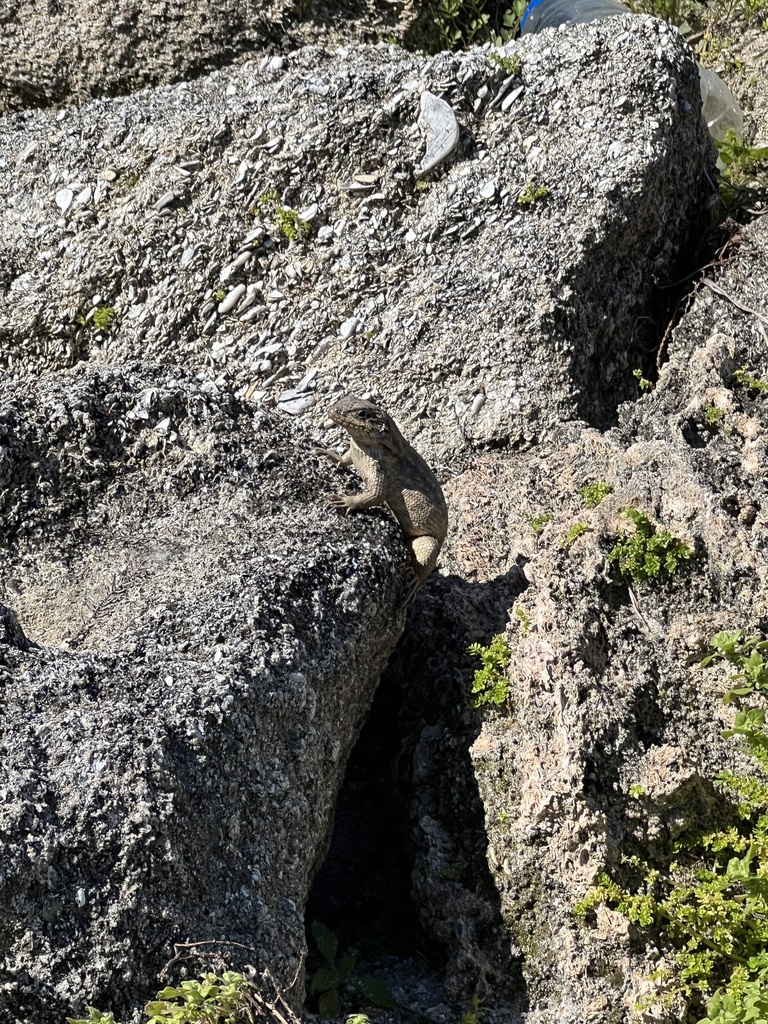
(461, 23)
(210, 1000)
(710, 901)
(103, 318)
(219, 295)
(532, 193)
(537, 523)
(290, 224)
(334, 978)
(358, 1018)
(130, 179)
(648, 554)
(593, 494)
(523, 618)
(743, 173)
(574, 532)
(473, 1014)
(490, 684)
(745, 655)
(741, 160)
(510, 65)
(642, 382)
(636, 791)
(746, 379)
(713, 415)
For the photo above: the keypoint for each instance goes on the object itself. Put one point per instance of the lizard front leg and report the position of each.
(374, 492)
(341, 461)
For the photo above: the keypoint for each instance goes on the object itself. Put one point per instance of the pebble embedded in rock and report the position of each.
(232, 299)
(165, 200)
(439, 124)
(349, 327)
(64, 199)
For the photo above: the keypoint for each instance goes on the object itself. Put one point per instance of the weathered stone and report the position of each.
(206, 639)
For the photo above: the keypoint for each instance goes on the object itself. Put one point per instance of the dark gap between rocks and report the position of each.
(363, 890)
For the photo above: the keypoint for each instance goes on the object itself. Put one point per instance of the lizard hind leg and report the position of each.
(424, 551)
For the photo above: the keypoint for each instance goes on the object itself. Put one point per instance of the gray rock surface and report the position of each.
(475, 318)
(612, 738)
(262, 231)
(206, 639)
(54, 54)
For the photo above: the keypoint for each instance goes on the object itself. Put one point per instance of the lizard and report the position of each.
(395, 475)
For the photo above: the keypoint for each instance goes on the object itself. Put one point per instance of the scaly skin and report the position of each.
(395, 475)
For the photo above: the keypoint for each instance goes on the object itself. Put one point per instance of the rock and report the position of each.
(75, 51)
(544, 303)
(172, 743)
(611, 740)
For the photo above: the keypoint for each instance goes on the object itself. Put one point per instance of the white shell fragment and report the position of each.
(441, 128)
(294, 402)
(64, 199)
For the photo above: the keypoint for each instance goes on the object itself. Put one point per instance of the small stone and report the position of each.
(508, 100)
(164, 200)
(232, 299)
(295, 404)
(308, 213)
(488, 190)
(349, 327)
(64, 199)
(276, 64)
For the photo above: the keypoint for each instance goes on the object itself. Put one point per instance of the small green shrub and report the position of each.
(713, 415)
(103, 318)
(709, 903)
(523, 618)
(532, 193)
(648, 554)
(573, 534)
(745, 655)
(287, 221)
(462, 23)
(209, 1000)
(537, 523)
(290, 225)
(593, 494)
(490, 684)
(510, 65)
(642, 382)
(745, 378)
(474, 1013)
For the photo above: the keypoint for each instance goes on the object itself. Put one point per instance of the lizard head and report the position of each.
(366, 422)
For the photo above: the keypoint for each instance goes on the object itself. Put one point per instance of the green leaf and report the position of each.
(329, 1004)
(345, 967)
(326, 941)
(325, 978)
(376, 992)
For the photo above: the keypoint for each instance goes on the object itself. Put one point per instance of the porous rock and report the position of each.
(479, 321)
(611, 741)
(73, 52)
(189, 646)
